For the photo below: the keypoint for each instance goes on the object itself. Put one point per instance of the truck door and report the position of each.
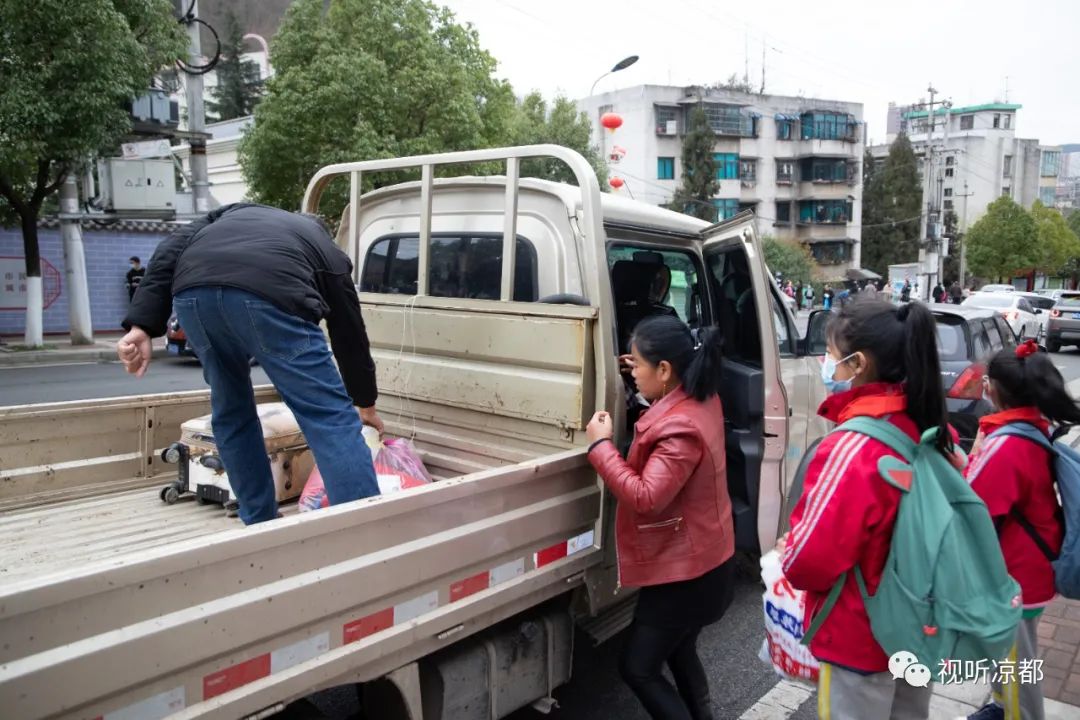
(753, 394)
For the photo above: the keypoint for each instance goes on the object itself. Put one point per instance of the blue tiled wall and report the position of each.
(107, 254)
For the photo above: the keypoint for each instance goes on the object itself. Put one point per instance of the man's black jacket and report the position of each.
(283, 257)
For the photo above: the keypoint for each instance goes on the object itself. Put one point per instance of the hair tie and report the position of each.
(697, 347)
(1026, 348)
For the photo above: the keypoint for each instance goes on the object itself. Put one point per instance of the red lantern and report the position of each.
(612, 121)
(616, 182)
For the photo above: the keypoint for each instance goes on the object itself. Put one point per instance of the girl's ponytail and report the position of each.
(1026, 378)
(925, 395)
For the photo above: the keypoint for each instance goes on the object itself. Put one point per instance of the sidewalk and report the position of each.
(1059, 648)
(59, 350)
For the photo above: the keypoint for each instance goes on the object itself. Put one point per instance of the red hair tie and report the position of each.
(1028, 347)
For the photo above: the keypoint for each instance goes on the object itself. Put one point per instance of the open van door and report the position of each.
(755, 400)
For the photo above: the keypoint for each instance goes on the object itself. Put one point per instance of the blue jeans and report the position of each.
(226, 327)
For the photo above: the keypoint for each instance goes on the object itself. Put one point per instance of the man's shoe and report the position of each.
(989, 711)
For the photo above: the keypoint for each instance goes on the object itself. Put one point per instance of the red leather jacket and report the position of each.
(673, 520)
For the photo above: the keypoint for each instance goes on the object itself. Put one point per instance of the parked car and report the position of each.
(997, 289)
(1052, 293)
(967, 336)
(1063, 327)
(176, 340)
(1044, 304)
(1017, 311)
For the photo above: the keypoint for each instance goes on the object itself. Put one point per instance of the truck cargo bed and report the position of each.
(59, 536)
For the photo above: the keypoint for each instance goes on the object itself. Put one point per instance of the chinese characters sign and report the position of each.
(13, 283)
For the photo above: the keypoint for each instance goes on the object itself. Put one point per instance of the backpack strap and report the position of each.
(885, 432)
(1030, 433)
(823, 613)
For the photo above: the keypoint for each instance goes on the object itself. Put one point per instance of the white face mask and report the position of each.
(828, 370)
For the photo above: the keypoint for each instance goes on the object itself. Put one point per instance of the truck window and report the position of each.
(736, 308)
(461, 266)
(681, 278)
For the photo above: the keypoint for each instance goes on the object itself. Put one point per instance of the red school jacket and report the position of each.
(673, 519)
(1010, 472)
(846, 516)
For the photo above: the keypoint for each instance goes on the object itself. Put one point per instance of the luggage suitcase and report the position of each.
(202, 472)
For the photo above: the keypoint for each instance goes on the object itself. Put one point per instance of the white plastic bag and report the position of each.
(784, 608)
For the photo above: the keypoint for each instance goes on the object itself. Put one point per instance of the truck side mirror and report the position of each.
(815, 343)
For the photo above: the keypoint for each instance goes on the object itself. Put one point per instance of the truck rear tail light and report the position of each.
(1055, 313)
(969, 385)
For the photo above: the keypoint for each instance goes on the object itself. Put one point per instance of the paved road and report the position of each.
(55, 383)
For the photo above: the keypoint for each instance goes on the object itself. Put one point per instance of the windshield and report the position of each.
(951, 342)
(1069, 301)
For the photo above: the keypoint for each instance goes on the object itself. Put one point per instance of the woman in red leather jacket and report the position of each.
(673, 527)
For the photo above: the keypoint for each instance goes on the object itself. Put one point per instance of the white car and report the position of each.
(997, 289)
(1015, 308)
(1042, 301)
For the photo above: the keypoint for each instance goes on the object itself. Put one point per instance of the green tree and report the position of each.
(1004, 240)
(734, 82)
(533, 123)
(239, 87)
(892, 208)
(791, 259)
(369, 79)
(1057, 243)
(66, 71)
(699, 183)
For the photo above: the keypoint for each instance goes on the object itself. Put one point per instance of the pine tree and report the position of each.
(239, 87)
(892, 208)
(699, 183)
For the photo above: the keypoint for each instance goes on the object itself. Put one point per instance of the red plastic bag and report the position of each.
(397, 467)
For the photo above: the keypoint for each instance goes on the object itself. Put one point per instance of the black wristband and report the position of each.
(601, 440)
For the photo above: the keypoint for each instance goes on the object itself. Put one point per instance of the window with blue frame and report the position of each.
(726, 207)
(727, 166)
(827, 170)
(785, 129)
(827, 126)
(665, 168)
(1048, 196)
(824, 212)
(1051, 163)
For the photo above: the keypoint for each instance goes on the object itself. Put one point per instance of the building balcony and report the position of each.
(848, 149)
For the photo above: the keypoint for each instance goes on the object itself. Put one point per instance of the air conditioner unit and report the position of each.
(672, 127)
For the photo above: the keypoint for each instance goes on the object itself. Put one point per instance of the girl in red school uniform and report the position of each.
(882, 362)
(1014, 477)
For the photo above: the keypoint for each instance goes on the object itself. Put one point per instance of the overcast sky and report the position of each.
(868, 52)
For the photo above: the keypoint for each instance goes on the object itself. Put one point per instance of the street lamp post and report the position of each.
(621, 65)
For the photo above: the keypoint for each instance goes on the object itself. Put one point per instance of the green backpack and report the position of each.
(945, 593)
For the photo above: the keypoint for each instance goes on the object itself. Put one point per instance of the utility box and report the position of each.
(139, 184)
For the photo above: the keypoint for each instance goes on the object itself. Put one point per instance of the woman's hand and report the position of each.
(781, 543)
(600, 427)
(626, 364)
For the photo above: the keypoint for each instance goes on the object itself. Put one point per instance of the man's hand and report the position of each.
(781, 543)
(370, 417)
(135, 350)
(600, 427)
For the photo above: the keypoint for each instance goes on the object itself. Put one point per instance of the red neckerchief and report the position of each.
(1030, 415)
(872, 400)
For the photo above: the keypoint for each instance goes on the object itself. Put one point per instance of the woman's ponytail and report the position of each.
(925, 395)
(701, 379)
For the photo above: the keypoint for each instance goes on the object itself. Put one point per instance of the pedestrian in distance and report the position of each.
(827, 297)
(1014, 477)
(799, 296)
(251, 281)
(939, 293)
(134, 276)
(956, 293)
(674, 530)
(905, 292)
(882, 362)
(809, 296)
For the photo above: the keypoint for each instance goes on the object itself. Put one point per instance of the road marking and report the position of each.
(780, 702)
(35, 366)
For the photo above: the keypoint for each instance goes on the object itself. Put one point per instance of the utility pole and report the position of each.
(196, 117)
(928, 251)
(78, 291)
(963, 235)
